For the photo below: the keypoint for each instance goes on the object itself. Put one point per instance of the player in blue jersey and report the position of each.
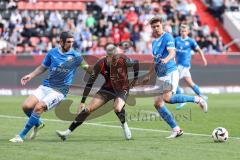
(184, 46)
(163, 50)
(61, 62)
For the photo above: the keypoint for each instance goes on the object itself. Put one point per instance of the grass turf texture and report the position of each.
(100, 139)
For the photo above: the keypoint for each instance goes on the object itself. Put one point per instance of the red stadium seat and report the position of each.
(21, 5)
(60, 6)
(40, 6)
(78, 6)
(69, 5)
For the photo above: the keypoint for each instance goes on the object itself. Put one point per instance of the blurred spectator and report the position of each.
(232, 5)
(216, 8)
(105, 21)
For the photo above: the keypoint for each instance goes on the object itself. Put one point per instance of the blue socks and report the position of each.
(167, 116)
(196, 90)
(181, 98)
(29, 113)
(32, 121)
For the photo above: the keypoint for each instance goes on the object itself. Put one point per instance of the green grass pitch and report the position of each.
(102, 138)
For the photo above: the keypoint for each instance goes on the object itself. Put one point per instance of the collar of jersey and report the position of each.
(184, 38)
(59, 50)
(160, 36)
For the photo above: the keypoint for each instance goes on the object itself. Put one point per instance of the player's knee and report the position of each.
(87, 110)
(117, 109)
(166, 98)
(40, 108)
(158, 104)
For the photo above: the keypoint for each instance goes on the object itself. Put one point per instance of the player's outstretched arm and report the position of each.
(202, 56)
(85, 66)
(88, 87)
(39, 70)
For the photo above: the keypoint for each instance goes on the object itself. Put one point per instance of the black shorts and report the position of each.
(109, 94)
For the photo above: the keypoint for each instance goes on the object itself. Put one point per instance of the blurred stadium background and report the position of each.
(29, 29)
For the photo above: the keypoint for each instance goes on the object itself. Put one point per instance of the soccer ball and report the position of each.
(220, 134)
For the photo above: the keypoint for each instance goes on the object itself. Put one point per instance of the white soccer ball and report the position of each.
(220, 134)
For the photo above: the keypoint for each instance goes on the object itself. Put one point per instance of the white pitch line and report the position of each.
(113, 126)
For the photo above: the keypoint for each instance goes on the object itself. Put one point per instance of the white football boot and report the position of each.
(16, 139)
(63, 134)
(126, 131)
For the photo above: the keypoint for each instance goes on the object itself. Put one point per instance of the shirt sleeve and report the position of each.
(95, 72)
(47, 60)
(170, 42)
(194, 44)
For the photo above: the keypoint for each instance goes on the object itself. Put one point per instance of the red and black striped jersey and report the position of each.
(115, 73)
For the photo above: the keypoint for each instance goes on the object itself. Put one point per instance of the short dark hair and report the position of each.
(155, 20)
(65, 35)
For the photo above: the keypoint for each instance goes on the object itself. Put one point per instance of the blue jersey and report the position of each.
(160, 48)
(61, 69)
(183, 50)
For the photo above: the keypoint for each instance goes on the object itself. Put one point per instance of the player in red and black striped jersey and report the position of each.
(114, 69)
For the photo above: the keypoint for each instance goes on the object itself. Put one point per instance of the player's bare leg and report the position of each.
(95, 103)
(29, 104)
(119, 104)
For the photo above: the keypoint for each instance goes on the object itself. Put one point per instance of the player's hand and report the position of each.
(205, 63)
(80, 108)
(163, 61)
(146, 79)
(26, 79)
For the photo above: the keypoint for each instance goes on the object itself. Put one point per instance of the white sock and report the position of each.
(196, 99)
(68, 131)
(177, 128)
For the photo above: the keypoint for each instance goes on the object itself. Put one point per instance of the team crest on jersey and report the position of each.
(70, 58)
(187, 43)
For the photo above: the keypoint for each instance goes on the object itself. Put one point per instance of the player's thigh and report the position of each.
(30, 102)
(52, 99)
(97, 101)
(34, 98)
(189, 81)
